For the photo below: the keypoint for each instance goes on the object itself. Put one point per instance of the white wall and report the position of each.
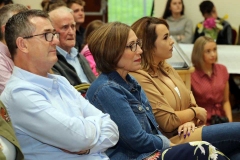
(230, 7)
(34, 4)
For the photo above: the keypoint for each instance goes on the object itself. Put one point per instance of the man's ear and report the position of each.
(3, 28)
(22, 44)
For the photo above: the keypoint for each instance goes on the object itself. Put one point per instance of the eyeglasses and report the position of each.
(133, 46)
(48, 36)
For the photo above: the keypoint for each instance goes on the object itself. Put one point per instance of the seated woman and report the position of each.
(85, 51)
(209, 81)
(180, 27)
(173, 105)
(117, 50)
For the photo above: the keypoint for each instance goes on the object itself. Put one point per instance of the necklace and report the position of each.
(209, 72)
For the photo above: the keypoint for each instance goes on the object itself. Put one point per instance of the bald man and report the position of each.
(70, 64)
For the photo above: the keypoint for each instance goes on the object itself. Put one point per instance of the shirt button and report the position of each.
(147, 108)
(139, 108)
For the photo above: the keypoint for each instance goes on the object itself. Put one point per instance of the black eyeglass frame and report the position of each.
(138, 42)
(45, 35)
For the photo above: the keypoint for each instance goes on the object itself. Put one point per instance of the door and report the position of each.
(95, 9)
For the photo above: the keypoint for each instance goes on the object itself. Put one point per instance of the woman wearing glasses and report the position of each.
(116, 50)
(174, 106)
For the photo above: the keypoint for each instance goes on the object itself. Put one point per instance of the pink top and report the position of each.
(6, 66)
(209, 91)
(88, 55)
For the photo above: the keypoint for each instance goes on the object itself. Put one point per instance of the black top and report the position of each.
(224, 36)
(79, 38)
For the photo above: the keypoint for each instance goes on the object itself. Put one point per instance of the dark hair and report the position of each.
(206, 7)
(167, 12)
(70, 3)
(107, 45)
(19, 25)
(49, 5)
(198, 51)
(90, 28)
(145, 29)
(7, 11)
(5, 2)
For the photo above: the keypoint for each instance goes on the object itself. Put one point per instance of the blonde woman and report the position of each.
(209, 81)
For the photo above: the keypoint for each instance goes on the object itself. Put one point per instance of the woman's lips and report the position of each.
(138, 60)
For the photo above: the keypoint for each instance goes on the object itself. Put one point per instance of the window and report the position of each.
(128, 11)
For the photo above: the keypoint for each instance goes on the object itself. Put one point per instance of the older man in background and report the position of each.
(70, 64)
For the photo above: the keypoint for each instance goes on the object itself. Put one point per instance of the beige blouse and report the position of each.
(165, 100)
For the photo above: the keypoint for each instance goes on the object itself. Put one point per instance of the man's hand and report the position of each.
(80, 152)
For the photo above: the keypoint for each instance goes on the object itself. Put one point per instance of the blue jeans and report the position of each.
(224, 136)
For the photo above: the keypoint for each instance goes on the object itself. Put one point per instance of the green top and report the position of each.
(6, 130)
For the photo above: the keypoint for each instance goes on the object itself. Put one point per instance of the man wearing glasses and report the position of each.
(70, 64)
(51, 119)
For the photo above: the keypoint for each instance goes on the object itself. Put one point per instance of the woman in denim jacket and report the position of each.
(117, 51)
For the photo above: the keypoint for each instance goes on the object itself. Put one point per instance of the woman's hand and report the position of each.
(201, 114)
(186, 129)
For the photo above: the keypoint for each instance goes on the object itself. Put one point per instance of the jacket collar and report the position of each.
(129, 85)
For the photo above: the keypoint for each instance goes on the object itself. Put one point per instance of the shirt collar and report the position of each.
(201, 73)
(44, 82)
(73, 53)
(4, 49)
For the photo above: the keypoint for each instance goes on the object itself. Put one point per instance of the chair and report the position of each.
(82, 88)
(238, 39)
(234, 36)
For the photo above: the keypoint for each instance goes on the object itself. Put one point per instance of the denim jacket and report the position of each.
(130, 110)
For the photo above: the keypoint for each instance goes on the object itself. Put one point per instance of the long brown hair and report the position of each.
(90, 28)
(145, 29)
(167, 12)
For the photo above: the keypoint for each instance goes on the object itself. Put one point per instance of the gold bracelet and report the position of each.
(193, 112)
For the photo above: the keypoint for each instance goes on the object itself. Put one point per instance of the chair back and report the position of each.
(238, 37)
(234, 36)
(82, 88)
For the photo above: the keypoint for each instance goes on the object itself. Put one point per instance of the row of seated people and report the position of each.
(75, 67)
(182, 28)
(62, 101)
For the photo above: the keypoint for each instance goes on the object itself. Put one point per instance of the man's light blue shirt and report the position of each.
(73, 60)
(49, 115)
